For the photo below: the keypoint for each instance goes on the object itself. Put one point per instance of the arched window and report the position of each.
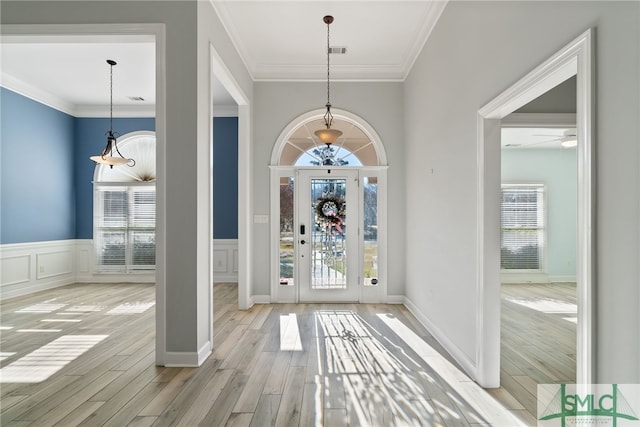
(353, 148)
(124, 223)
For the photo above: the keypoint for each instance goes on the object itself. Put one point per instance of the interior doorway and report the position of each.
(575, 59)
(538, 245)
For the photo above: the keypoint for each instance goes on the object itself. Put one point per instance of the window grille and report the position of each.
(125, 227)
(522, 227)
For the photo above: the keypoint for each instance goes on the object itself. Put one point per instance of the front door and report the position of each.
(327, 241)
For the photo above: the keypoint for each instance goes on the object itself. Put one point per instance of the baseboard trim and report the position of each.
(562, 279)
(116, 278)
(260, 299)
(467, 364)
(396, 299)
(524, 278)
(187, 359)
(32, 288)
(225, 278)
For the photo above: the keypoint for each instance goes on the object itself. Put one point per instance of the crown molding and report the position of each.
(36, 94)
(430, 18)
(119, 111)
(351, 73)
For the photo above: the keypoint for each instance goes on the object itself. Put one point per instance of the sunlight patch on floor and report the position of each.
(381, 382)
(546, 305)
(43, 307)
(84, 308)
(490, 410)
(5, 355)
(40, 364)
(290, 333)
(60, 320)
(131, 308)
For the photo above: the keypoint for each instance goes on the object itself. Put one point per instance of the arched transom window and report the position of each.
(353, 148)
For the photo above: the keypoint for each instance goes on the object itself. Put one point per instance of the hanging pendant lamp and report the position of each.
(328, 136)
(107, 157)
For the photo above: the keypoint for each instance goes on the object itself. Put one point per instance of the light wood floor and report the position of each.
(84, 355)
(538, 338)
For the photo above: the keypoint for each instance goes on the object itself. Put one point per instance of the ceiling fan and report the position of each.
(568, 140)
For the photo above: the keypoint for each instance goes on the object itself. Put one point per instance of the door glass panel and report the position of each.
(286, 231)
(370, 213)
(328, 237)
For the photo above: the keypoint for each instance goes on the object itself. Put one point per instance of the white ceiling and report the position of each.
(277, 40)
(286, 40)
(72, 75)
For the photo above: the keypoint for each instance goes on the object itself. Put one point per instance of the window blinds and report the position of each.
(125, 227)
(522, 227)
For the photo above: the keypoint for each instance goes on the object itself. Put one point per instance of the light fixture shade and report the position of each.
(569, 143)
(328, 136)
(110, 160)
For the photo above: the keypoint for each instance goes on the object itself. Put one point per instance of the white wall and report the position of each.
(476, 51)
(380, 104)
(557, 170)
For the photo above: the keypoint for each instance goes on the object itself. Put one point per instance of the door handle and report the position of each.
(301, 228)
(302, 242)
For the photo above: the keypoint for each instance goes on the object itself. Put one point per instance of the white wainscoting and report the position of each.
(225, 260)
(32, 267)
(85, 272)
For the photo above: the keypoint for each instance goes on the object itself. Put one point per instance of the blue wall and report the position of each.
(225, 178)
(46, 189)
(90, 140)
(557, 169)
(37, 195)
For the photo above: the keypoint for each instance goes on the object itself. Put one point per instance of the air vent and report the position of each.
(338, 50)
(136, 98)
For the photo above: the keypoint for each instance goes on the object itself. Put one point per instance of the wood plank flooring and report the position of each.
(538, 338)
(83, 354)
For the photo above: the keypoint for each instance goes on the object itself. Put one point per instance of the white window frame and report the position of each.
(541, 225)
(127, 229)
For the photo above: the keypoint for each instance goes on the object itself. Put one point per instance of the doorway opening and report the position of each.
(539, 182)
(575, 59)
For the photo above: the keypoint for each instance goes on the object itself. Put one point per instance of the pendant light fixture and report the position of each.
(107, 157)
(328, 136)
